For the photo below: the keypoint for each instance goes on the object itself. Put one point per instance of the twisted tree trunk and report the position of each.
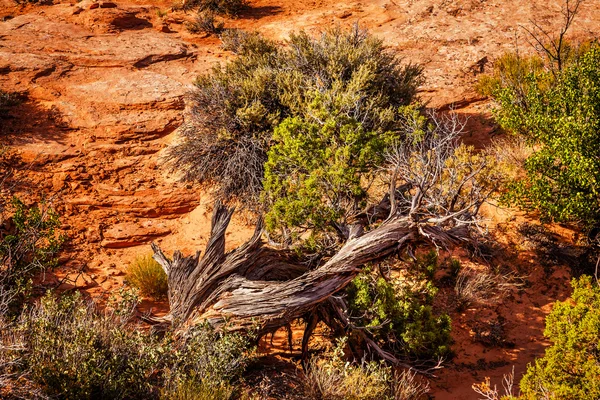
(255, 286)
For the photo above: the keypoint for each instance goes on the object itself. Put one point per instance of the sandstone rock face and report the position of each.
(129, 234)
(105, 90)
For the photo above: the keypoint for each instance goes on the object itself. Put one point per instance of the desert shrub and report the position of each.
(228, 7)
(205, 22)
(235, 109)
(571, 365)
(67, 349)
(483, 287)
(29, 242)
(331, 377)
(145, 274)
(558, 112)
(317, 173)
(511, 70)
(208, 358)
(76, 353)
(399, 313)
(246, 43)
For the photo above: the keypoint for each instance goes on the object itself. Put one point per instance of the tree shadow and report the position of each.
(29, 122)
(131, 22)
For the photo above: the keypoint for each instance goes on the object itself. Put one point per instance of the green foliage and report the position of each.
(148, 276)
(399, 312)
(317, 170)
(29, 243)
(74, 351)
(559, 114)
(207, 357)
(570, 368)
(347, 76)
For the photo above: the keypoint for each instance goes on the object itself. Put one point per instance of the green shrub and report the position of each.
(399, 313)
(145, 274)
(70, 350)
(76, 353)
(559, 114)
(29, 243)
(207, 356)
(235, 109)
(570, 368)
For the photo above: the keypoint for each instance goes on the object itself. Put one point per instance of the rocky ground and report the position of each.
(106, 84)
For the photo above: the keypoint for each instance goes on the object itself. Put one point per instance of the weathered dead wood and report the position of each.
(262, 288)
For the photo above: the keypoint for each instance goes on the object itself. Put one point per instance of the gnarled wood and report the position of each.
(263, 288)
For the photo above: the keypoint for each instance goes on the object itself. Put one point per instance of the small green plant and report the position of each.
(399, 313)
(77, 353)
(65, 348)
(29, 243)
(161, 13)
(145, 274)
(570, 368)
(558, 114)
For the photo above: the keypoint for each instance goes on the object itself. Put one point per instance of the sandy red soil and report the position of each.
(106, 91)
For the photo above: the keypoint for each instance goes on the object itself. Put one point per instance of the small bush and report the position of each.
(557, 112)
(148, 276)
(570, 368)
(400, 315)
(76, 353)
(29, 243)
(65, 348)
(205, 22)
(209, 357)
(348, 76)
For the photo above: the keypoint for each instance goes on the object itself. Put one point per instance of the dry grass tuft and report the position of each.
(148, 276)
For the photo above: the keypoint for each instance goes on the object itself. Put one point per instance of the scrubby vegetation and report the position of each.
(29, 242)
(271, 95)
(331, 377)
(360, 187)
(558, 114)
(148, 276)
(570, 369)
(400, 311)
(68, 349)
(205, 22)
(227, 7)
